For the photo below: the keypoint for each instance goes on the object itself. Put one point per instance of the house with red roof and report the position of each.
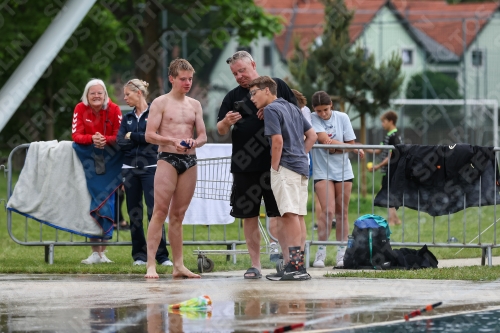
(460, 40)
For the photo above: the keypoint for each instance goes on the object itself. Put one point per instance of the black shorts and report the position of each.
(247, 192)
(334, 181)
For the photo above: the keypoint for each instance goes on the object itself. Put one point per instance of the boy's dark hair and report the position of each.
(390, 116)
(263, 82)
(301, 99)
(320, 98)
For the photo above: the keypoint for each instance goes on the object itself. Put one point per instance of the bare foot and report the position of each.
(151, 273)
(183, 272)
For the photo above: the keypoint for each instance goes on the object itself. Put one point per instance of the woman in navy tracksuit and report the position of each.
(139, 169)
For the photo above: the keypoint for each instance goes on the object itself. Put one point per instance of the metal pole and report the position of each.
(24, 78)
(477, 67)
(464, 80)
(184, 45)
(485, 66)
(164, 25)
(495, 123)
(403, 123)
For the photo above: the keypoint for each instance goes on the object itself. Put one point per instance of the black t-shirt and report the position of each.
(251, 150)
(391, 139)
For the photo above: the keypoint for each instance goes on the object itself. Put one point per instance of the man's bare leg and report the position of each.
(180, 203)
(164, 187)
(273, 228)
(252, 238)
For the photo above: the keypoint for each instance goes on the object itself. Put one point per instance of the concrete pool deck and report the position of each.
(129, 303)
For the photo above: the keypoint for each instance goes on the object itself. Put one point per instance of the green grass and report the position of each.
(15, 258)
(472, 273)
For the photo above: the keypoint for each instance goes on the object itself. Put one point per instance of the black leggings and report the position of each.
(137, 182)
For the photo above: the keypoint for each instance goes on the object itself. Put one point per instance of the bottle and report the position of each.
(350, 241)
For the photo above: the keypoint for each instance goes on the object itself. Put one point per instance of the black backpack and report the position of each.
(364, 253)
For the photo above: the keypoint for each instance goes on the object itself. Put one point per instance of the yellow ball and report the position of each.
(369, 165)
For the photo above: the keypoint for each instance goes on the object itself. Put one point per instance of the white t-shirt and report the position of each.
(329, 166)
(307, 114)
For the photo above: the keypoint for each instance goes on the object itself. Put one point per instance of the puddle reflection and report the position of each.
(252, 314)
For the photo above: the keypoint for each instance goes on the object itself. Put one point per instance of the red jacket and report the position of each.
(86, 123)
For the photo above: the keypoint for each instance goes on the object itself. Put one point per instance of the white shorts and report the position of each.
(290, 191)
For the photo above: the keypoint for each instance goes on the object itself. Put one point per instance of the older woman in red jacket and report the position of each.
(96, 120)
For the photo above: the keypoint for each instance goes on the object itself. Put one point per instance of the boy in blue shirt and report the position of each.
(285, 127)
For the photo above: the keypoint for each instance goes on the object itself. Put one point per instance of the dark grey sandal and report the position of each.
(254, 271)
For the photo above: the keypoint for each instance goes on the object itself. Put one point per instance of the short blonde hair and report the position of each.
(178, 65)
(138, 85)
(91, 83)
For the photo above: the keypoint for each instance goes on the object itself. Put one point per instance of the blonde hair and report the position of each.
(91, 83)
(178, 65)
(138, 85)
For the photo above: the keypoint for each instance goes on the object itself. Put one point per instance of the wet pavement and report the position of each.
(129, 303)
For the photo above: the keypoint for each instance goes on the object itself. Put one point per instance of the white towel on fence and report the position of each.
(211, 205)
(52, 189)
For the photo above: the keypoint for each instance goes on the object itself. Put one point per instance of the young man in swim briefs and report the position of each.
(172, 120)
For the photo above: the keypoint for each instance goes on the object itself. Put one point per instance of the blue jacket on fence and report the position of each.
(102, 187)
(137, 152)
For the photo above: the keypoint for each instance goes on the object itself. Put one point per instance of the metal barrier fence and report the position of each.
(410, 234)
(206, 188)
(431, 240)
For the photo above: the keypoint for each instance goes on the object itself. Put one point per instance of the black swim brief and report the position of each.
(180, 162)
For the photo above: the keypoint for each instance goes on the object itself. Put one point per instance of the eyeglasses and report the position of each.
(239, 55)
(253, 92)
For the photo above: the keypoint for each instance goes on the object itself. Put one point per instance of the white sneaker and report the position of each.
(139, 263)
(167, 263)
(340, 257)
(319, 261)
(105, 259)
(94, 258)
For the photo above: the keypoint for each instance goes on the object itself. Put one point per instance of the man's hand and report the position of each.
(99, 140)
(232, 117)
(361, 153)
(182, 149)
(260, 114)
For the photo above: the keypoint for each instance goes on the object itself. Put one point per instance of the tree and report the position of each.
(122, 36)
(209, 23)
(345, 71)
(46, 113)
(433, 85)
